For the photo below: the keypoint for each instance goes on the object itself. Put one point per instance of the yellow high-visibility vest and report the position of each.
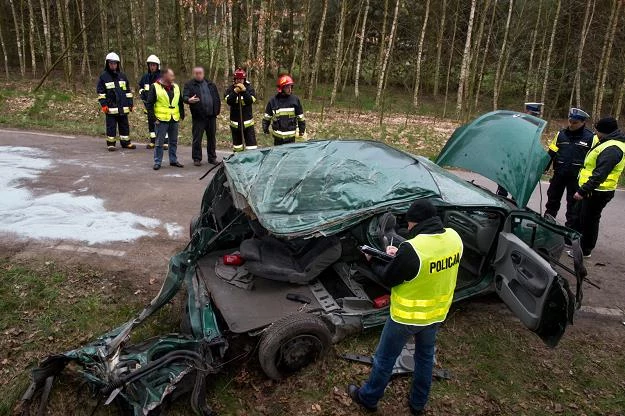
(590, 163)
(164, 110)
(426, 299)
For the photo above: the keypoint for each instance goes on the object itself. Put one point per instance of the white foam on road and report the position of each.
(174, 230)
(58, 216)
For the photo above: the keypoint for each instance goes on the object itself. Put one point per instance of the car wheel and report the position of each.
(292, 343)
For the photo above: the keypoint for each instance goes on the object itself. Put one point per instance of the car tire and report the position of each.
(292, 343)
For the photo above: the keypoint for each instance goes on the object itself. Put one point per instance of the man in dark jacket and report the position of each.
(598, 180)
(165, 105)
(284, 113)
(115, 98)
(149, 78)
(568, 150)
(240, 96)
(205, 104)
(422, 277)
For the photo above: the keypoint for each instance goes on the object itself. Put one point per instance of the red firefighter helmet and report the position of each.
(283, 81)
(239, 73)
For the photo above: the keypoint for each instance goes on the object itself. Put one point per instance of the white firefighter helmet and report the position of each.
(112, 56)
(153, 59)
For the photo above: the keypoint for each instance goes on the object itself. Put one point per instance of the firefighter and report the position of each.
(598, 180)
(149, 78)
(568, 150)
(115, 99)
(422, 277)
(284, 113)
(240, 96)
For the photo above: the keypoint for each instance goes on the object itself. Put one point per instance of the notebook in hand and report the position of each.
(374, 252)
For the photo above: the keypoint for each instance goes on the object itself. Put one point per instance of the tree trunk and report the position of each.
(45, 23)
(193, 36)
(305, 60)
(18, 39)
(439, 49)
(260, 49)
(380, 57)
(387, 55)
(530, 67)
(181, 30)
(250, 34)
(136, 33)
(502, 51)
(62, 36)
(315, 69)
(4, 53)
(68, 39)
(270, 46)
(549, 51)
(31, 40)
(360, 47)
(415, 98)
(466, 58)
(230, 36)
(619, 104)
(85, 43)
(577, 88)
(339, 52)
(480, 76)
(451, 56)
(157, 23)
(606, 60)
(475, 54)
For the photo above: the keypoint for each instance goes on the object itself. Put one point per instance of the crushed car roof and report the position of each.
(326, 186)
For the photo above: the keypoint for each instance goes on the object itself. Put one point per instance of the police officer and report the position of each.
(598, 180)
(423, 279)
(284, 113)
(115, 98)
(240, 96)
(149, 78)
(165, 105)
(568, 150)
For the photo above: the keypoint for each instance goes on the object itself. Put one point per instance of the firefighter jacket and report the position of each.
(569, 148)
(241, 106)
(146, 81)
(114, 92)
(285, 115)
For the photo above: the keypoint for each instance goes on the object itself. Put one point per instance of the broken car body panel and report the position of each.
(503, 146)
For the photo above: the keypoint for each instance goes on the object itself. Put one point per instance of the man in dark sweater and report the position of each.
(205, 104)
(598, 180)
(422, 277)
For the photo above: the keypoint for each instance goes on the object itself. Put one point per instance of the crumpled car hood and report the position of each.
(325, 186)
(503, 146)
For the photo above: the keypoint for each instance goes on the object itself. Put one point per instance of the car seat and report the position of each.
(296, 261)
(387, 224)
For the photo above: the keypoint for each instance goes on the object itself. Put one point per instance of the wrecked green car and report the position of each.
(274, 255)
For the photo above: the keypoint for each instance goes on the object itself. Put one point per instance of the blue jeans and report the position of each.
(394, 337)
(164, 128)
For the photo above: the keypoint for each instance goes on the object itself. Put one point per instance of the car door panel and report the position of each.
(531, 288)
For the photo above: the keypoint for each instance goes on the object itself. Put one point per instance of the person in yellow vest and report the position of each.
(422, 276)
(598, 180)
(165, 105)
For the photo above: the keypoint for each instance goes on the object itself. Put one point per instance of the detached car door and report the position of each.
(528, 283)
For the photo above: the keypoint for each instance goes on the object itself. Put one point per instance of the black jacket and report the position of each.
(606, 161)
(247, 98)
(286, 122)
(193, 87)
(405, 266)
(114, 91)
(573, 145)
(151, 100)
(146, 81)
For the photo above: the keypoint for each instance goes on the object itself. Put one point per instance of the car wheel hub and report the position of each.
(299, 351)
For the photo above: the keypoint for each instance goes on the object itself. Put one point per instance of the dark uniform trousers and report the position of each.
(200, 126)
(249, 134)
(562, 180)
(587, 215)
(115, 122)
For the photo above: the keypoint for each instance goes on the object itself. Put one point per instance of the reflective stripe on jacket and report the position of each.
(114, 92)
(571, 147)
(590, 163)
(426, 299)
(164, 108)
(285, 115)
(241, 105)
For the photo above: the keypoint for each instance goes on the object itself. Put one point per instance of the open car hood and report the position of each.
(325, 186)
(503, 146)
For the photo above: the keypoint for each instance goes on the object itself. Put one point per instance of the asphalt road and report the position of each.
(127, 218)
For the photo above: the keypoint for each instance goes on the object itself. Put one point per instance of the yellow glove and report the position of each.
(301, 137)
(237, 90)
(241, 87)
